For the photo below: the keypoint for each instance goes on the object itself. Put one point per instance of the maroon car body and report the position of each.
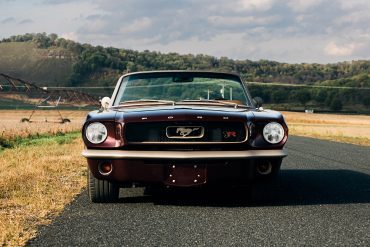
(181, 144)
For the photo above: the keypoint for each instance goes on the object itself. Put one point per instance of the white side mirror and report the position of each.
(105, 103)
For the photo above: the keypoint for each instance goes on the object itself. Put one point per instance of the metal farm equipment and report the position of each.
(41, 106)
(15, 88)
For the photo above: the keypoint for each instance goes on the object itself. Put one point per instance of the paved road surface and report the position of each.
(324, 200)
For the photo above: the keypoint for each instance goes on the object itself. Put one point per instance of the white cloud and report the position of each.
(25, 21)
(292, 30)
(354, 4)
(332, 49)
(7, 20)
(97, 25)
(70, 35)
(137, 25)
(258, 5)
(226, 44)
(240, 20)
(354, 17)
(303, 5)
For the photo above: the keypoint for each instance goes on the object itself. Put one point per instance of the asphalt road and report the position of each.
(324, 199)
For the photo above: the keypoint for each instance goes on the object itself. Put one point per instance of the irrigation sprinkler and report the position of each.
(43, 104)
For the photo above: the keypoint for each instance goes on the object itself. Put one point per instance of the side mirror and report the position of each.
(258, 101)
(105, 103)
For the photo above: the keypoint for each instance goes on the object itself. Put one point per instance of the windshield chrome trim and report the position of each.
(212, 74)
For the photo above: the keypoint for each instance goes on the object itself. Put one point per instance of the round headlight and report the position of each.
(273, 132)
(96, 133)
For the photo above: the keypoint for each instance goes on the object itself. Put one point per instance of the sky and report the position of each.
(292, 31)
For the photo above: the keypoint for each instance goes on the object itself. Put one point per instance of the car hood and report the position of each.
(184, 113)
(181, 113)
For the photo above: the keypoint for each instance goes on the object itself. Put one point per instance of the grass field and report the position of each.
(12, 128)
(41, 173)
(39, 176)
(36, 182)
(354, 129)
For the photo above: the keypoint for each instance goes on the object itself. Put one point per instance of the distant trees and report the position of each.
(336, 104)
(302, 96)
(261, 71)
(366, 100)
(104, 64)
(42, 40)
(320, 96)
(279, 96)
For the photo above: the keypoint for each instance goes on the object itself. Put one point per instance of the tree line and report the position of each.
(334, 99)
(103, 65)
(92, 59)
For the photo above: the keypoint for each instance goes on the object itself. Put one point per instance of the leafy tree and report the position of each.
(52, 37)
(321, 96)
(336, 104)
(366, 101)
(278, 96)
(302, 96)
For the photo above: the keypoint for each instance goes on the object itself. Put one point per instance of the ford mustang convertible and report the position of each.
(181, 129)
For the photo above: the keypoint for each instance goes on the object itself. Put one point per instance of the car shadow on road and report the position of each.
(297, 187)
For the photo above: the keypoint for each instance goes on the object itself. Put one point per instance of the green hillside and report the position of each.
(359, 81)
(49, 60)
(51, 66)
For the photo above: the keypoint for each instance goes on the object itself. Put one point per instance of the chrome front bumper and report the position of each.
(181, 155)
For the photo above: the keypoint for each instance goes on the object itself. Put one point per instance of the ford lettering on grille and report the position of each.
(182, 132)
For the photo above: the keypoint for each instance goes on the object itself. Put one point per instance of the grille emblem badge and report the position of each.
(185, 131)
(228, 134)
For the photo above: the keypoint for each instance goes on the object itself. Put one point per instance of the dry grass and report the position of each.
(11, 126)
(36, 182)
(354, 129)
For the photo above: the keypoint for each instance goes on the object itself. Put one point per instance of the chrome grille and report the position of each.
(213, 132)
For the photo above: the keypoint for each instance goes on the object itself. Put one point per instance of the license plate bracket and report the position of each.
(185, 175)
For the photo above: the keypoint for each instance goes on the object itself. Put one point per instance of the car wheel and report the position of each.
(101, 190)
(266, 188)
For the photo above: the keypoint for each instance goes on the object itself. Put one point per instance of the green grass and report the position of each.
(60, 138)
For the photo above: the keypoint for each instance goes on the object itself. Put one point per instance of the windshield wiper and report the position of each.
(213, 102)
(147, 102)
(143, 102)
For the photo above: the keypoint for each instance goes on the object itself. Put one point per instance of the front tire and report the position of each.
(266, 188)
(101, 191)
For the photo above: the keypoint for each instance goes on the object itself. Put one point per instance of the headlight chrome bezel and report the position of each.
(278, 130)
(100, 129)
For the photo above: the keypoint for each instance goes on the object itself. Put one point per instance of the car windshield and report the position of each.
(189, 88)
